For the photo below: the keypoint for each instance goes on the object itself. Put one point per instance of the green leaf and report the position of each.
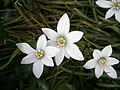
(11, 58)
(107, 85)
(65, 86)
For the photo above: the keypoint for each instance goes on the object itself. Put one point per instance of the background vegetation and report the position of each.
(22, 22)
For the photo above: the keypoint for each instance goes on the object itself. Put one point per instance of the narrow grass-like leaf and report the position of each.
(11, 58)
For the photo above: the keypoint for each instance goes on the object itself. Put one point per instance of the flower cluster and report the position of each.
(60, 45)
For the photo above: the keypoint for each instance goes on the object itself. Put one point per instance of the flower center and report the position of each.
(61, 41)
(39, 54)
(102, 62)
(116, 4)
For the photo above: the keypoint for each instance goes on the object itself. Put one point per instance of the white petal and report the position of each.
(117, 15)
(30, 58)
(90, 64)
(59, 57)
(104, 4)
(47, 60)
(113, 0)
(110, 13)
(98, 71)
(97, 54)
(51, 51)
(52, 43)
(74, 36)
(107, 51)
(51, 34)
(63, 25)
(25, 48)
(38, 68)
(66, 54)
(111, 72)
(112, 61)
(74, 52)
(42, 42)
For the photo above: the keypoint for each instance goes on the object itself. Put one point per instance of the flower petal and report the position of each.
(51, 34)
(51, 51)
(42, 42)
(74, 52)
(25, 48)
(66, 54)
(111, 72)
(112, 61)
(113, 0)
(38, 68)
(98, 71)
(107, 51)
(59, 57)
(47, 60)
(51, 43)
(110, 13)
(30, 58)
(117, 15)
(74, 36)
(90, 64)
(63, 25)
(104, 4)
(97, 54)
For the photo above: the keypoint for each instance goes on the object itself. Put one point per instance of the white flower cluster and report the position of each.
(60, 45)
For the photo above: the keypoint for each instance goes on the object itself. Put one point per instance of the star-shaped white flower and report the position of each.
(64, 40)
(114, 6)
(103, 62)
(42, 55)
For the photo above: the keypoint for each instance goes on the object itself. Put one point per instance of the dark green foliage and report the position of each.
(23, 24)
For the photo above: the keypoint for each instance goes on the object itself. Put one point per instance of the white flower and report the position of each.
(42, 55)
(102, 62)
(64, 40)
(114, 6)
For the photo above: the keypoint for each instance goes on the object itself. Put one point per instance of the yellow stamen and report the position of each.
(116, 4)
(102, 62)
(39, 54)
(61, 41)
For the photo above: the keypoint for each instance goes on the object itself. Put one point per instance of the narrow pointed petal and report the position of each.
(104, 4)
(113, 0)
(66, 54)
(98, 71)
(30, 58)
(42, 42)
(63, 25)
(59, 57)
(90, 64)
(25, 48)
(111, 72)
(97, 54)
(107, 51)
(47, 60)
(51, 51)
(110, 13)
(117, 15)
(112, 61)
(38, 68)
(51, 34)
(52, 43)
(74, 36)
(74, 52)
